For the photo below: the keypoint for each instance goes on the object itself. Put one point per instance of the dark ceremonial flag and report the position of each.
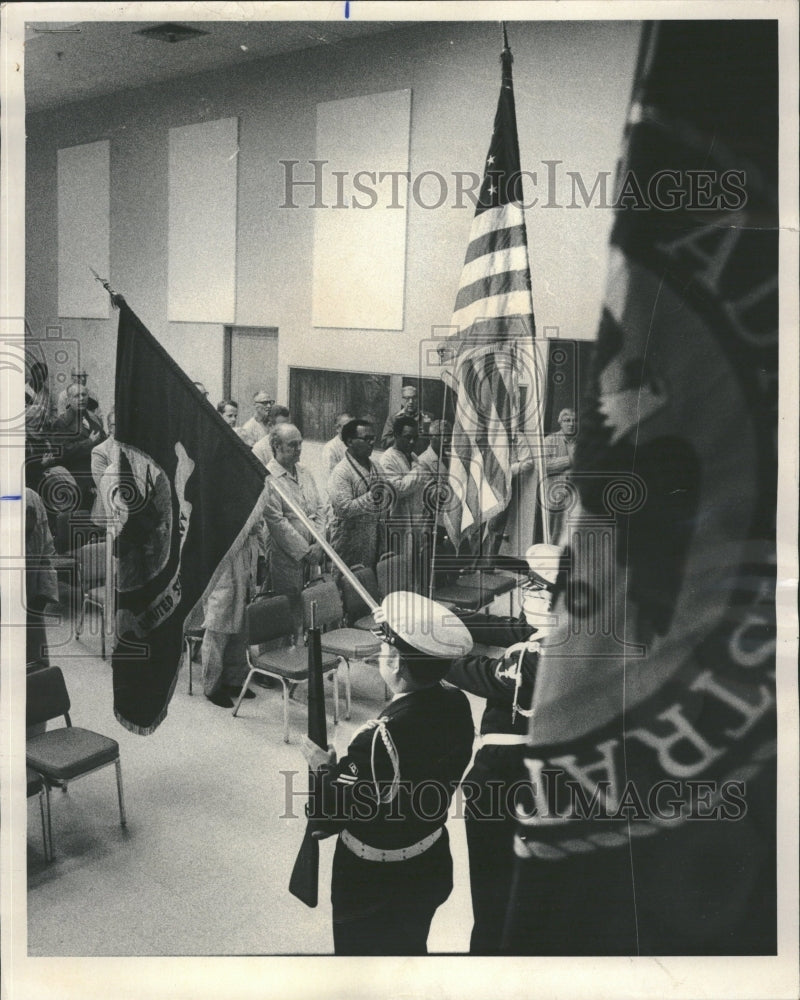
(493, 313)
(188, 492)
(650, 823)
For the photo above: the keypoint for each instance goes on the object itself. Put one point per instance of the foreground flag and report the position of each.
(650, 827)
(494, 318)
(188, 490)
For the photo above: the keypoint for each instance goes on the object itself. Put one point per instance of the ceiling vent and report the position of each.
(171, 32)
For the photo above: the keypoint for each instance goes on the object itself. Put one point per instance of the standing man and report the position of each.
(257, 426)
(334, 450)
(223, 652)
(79, 377)
(76, 432)
(559, 453)
(433, 464)
(406, 521)
(409, 408)
(229, 411)
(507, 685)
(293, 550)
(276, 414)
(354, 498)
(389, 796)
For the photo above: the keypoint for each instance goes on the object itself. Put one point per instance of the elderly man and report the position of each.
(333, 451)
(409, 408)
(293, 549)
(79, 377)
(257, 427)
(277, 415)
(75, 434)
(407, 522)
(559, 451)
(354, 496)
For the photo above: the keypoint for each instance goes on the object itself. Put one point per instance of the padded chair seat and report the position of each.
(491, 584)
(353, 643)
(66, 753)
(466, 598)
(291, 663)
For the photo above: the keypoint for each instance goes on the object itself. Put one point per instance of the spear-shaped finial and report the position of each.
(116, 298)
(506, 53)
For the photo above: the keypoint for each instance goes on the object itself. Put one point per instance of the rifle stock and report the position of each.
(305, 875)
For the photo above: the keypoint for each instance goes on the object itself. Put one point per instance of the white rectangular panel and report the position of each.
(202, 222)
(83, 230)
(359, 252)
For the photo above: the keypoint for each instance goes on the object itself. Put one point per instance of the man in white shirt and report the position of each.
(293, 550)
(334, 450)
(257, 426)
(406, 521)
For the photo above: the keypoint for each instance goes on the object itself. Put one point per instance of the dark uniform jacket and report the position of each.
(495, 678)
(432, 733)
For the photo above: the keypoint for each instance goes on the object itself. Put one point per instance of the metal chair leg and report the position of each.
(187, 645)
(285, 711)
(347, 694)
(103, 631)
(242, 693)
(336, 696)
(122, 817)
(47, 831)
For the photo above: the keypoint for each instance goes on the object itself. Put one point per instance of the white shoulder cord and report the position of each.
(380, 727)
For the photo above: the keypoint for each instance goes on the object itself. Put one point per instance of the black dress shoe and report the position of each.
(233, 690)
(221, 699)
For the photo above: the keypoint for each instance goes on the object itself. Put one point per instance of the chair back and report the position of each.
(391, 573)
(92, 558)
(354, 605)
(72, 531)
(325, 595)
(269, 618)
(47, 696)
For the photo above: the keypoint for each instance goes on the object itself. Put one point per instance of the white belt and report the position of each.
(378, 854)
(502, 739)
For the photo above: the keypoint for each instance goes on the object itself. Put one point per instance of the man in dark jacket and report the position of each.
(73, 436)
(506, 682)
(388, 797)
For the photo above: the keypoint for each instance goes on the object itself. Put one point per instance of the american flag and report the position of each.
(493, 311)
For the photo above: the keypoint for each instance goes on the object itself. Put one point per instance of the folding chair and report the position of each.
(65, 754)
(356, 613)
(38, 786)
(346, 643)
(92, 560)
(269, 620)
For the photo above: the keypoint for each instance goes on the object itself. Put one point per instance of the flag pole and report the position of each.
(356, 584)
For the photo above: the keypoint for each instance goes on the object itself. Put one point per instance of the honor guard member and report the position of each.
(506, 682)
(388, 797)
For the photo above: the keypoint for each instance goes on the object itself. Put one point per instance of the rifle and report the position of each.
(305, 875)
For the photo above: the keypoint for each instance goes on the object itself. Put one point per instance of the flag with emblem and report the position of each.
(175, 515)
(493, 317)
(651, 758)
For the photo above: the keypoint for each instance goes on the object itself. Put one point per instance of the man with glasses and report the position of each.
(354, 493)
(506, 682)
(257, 427)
